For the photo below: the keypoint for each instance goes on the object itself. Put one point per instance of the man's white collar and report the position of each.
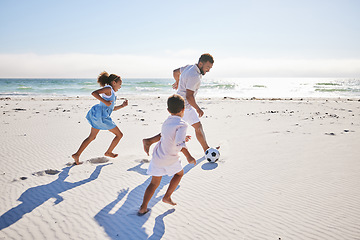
(198, 69)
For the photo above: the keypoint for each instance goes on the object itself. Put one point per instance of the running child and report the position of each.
(165, 159)
(99, 115)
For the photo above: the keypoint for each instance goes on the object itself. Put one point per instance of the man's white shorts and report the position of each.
(162, 171)
(191, 116)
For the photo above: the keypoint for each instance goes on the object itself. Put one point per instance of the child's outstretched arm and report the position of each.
(188, 156)
(124, 104)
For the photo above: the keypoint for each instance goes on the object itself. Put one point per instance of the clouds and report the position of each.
(77, 65)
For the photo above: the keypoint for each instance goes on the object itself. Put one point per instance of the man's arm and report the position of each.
(176, 75)
(191, 100)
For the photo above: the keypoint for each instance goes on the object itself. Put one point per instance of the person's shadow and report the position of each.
(36, 196)
(124, 223)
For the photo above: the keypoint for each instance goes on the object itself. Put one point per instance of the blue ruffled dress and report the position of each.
(99, 115)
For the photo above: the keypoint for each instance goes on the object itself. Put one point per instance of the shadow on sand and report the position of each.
(36, 196)
(124, 223)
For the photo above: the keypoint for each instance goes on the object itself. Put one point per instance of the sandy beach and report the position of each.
(289, 169)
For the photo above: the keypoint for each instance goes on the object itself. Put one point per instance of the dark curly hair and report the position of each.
(206, 57)
(175, 103)
(105, 79)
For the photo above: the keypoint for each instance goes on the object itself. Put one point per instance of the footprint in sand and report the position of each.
(40, 173)
(143, 160)
(98, 160)
(21, 178)
(46, 172)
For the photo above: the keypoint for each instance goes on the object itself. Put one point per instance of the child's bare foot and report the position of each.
(147, 145)
(110, 154)
(168, 201)
(142, 211)
(77, 159)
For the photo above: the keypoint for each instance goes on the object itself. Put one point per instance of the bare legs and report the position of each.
(84, 144)
(118, 136)
(173, 185)
(154, 184)
(91, 137)
(148, 141)
(149, 192)
(200, 135)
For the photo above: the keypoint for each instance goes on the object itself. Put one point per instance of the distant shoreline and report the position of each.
(267, 88)
(142, 97)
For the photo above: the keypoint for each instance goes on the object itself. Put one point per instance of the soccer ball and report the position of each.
(212, 155)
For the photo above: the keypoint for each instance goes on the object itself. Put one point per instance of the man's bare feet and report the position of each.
(168, 201)
(147, 145)
(217, 148)
(77, 159)
(110, 154)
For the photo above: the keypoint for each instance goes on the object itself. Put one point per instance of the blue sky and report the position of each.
(253, 38)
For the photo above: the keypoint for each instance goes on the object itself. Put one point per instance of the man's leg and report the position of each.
(200, 135)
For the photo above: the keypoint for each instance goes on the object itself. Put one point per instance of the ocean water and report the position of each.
(226, 87)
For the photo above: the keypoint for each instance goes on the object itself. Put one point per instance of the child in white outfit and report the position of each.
(166, 159)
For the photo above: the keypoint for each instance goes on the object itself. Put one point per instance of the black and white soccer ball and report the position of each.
(212, 155)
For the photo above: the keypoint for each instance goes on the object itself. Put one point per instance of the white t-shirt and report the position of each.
(106, 97)
(190, 78)
(173, 134)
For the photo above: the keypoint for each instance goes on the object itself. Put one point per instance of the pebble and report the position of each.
(331, 134)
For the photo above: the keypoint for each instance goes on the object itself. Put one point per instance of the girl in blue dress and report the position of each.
(99, 115)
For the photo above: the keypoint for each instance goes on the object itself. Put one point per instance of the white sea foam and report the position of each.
(224, 87)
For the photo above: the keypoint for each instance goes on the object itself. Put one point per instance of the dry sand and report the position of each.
(289, 169)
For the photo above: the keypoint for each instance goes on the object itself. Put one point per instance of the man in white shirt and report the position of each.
(187, 83)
